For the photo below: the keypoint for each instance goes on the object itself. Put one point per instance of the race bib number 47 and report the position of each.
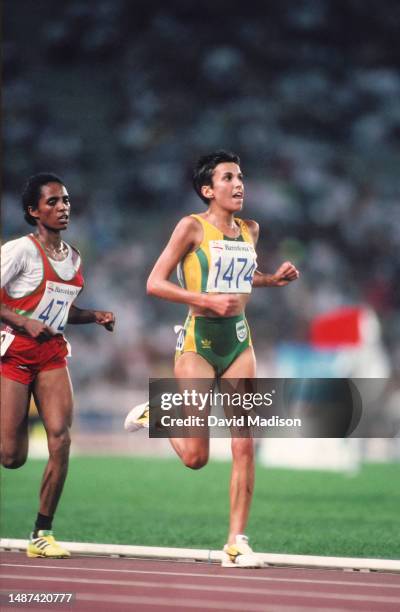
(232, 267)
(54, 306)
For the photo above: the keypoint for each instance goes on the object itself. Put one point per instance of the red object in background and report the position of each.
(338, 328)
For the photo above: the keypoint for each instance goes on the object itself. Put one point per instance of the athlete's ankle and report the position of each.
(42, 523)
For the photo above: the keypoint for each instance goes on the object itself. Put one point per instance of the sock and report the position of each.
(42, 522)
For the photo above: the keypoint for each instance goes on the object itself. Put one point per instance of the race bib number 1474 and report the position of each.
(232, 267)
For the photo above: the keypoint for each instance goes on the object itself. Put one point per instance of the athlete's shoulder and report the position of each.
(253, 228)
(75, 255)
(73, 248)
(187, 235)
(189, 223)
(16, 257)
(251, 224)
(19, 247)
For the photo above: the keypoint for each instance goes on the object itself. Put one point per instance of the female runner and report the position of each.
(217, 269)
(41, 277)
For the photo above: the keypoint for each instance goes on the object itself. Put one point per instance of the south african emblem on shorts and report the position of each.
(241, 331)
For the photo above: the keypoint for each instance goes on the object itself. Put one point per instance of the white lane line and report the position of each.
(188, 604)
(192, 587)
(201, 575)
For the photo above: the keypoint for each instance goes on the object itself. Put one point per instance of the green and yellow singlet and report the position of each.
(220, 264)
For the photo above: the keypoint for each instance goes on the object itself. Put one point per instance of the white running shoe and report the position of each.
(137, 418)
(240, 554)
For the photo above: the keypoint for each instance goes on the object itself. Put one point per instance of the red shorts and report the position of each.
(26, 357)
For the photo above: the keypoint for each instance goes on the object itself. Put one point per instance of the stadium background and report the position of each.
(120, 98)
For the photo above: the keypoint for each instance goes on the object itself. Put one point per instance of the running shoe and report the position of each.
(240, 554)
(137, 418)
(44, 545)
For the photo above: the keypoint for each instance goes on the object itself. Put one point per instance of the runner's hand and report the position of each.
(285, 274)
(36, 329)
(223, 305)
(106, 319)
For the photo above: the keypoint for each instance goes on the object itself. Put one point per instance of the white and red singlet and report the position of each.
(40, 288)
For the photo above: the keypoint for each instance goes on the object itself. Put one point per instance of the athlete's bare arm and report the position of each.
(186, 237)
(286, 272)
(79, 316)
(30, 326)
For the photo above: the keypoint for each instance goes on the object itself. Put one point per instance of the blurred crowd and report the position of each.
(121, 97)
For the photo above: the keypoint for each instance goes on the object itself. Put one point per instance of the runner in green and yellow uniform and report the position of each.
(211, 268)
(217, 269)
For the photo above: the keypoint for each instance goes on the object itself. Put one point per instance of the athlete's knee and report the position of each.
(242, 449)
(195, 460)
(12, 462)
(59, 442)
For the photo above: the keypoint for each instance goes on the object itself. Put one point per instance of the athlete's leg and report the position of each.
(242, 477)
(14, 422)
(53, 395)
(192, 451)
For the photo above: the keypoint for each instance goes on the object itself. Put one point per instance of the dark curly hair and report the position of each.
(32, 192)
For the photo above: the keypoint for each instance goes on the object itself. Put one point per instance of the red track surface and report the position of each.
(120, 584)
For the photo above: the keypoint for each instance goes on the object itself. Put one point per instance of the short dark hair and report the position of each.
(32, 192)
(203, 172)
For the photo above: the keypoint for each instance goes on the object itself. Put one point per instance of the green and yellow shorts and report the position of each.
(219, 340)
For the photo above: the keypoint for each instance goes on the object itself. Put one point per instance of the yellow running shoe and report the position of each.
(137, 418)
(44, 545)
(240, 554)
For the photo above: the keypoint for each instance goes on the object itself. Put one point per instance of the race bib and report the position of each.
(6, 340)
(178, 329)
(54, 306)
(232, 267)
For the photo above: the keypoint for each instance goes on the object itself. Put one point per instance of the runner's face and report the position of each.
(53, 207)
(227, 187)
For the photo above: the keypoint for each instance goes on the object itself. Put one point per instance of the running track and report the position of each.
(121, 584)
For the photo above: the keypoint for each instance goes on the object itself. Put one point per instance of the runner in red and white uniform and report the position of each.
(41, 276)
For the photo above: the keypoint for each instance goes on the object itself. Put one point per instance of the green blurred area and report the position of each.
(158, 502)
